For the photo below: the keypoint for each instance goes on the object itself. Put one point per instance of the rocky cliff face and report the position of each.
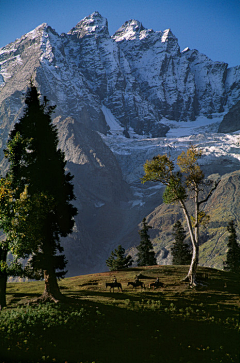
(139, 74)
(231, 121)
(111, 92)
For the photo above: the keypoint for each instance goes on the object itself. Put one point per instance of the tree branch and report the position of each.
(210, 192)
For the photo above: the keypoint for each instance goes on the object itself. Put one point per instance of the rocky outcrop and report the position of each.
(155, 61)
(231, 121)
(210, 78)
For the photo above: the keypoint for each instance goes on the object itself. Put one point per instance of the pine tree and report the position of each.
(180, 250)
(118, 260)
(233, 254)
(21, 220)
(145, 255)
(36, 161)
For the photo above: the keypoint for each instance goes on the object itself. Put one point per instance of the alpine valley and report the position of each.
(121, 100)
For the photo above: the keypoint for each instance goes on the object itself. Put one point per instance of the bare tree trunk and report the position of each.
(51, 290)
(3, 279)
(195, 257)
(3, 287)
(191, 276)
(195, 239)
(193, 266)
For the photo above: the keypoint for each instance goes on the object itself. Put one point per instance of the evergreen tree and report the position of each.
(36, 161)
(21, 220)
(180, 250)
(233, 254)
(118, 260)
(145, 255)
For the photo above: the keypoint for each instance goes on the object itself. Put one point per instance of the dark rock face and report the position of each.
(101, 195)
(210, 78)
(104, 86)
(231, 121)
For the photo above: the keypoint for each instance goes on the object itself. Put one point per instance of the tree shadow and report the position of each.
(118, 295)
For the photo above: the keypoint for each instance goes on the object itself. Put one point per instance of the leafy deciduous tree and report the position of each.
(180, 250)
(145, 255)
(180, 186)
(118, 260)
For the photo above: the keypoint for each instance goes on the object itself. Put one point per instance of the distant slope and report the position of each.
(223, 206)
(231, 121)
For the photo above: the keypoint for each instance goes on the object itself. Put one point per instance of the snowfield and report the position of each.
(132, 152)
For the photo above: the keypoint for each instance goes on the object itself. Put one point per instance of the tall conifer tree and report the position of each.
(36, 161)
(145, 255)
(233, 254)
(22, 219)
(180, 250)
(118, 260)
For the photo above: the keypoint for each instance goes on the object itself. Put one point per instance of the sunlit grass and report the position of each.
(184, 324)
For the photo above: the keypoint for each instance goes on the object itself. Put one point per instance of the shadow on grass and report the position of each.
(124, 335)
(132, 295)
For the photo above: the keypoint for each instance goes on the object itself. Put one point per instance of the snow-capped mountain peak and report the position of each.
(167, 35)
(130, 30)
(138, 74)
(92, 24)
(185, 50)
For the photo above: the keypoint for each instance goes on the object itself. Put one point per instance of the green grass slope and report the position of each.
(170, 324)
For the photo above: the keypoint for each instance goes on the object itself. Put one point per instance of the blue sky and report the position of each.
(211, 26)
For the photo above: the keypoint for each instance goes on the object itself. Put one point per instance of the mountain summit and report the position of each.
(131, 29)
(120, 100)
(92, 24)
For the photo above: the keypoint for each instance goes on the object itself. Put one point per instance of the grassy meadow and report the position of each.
(173, 323)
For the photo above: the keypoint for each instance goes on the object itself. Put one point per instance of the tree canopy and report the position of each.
(232, 262)
(180, 250)
(183, 184)
(118, 260)
(21, 220)
(146, 254)
(36, 163)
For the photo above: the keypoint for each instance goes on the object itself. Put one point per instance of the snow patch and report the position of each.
(112, 122)
(99, 204)
(139, 203)
(165, 35)
(200, 125)
(185, 50)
